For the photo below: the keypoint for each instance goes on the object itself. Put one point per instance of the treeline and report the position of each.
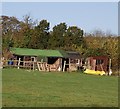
(38, 35)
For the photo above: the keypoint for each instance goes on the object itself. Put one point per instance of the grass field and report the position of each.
(22, 88)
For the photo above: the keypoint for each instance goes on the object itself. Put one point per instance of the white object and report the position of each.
(110, 72)
(59, 69)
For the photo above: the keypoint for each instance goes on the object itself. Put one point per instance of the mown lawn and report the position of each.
(22, 88)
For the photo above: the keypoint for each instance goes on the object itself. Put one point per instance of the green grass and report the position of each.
(22, 88)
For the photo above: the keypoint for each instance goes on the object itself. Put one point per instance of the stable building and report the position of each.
(98, 63)
(46, 60)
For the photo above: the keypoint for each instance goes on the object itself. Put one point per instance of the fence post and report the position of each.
(19, 63)
(64, 66)
(110, 71)
(33, 66)
(38, 66)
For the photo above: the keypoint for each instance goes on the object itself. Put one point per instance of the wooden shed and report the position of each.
(74, 60)
(47, 60)
(97, 63)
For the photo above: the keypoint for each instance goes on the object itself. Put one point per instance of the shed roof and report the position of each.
(73, 55)
(99, 57)
(38, 52)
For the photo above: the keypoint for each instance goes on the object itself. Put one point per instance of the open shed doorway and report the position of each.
(66, 65)
(54, 63)
(52, 60)
(21, 59)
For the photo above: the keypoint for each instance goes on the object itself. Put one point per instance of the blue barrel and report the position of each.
(10, 62)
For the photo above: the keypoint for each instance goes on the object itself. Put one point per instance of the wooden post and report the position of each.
(69, 64)
(33, 65)
(33, 62)
(81, 62)
(64, 66)
(88, 64)
(93, 64)
(38, 66)
(109, 64)
(19, 63)
(101, 67)
(60, 64)
(42, 66)
(110, 71)
(24, 62)
(49, 67)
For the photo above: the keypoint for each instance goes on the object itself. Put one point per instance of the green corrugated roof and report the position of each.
(38, 52)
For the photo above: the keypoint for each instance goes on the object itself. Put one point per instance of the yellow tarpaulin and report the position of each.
(94, 72)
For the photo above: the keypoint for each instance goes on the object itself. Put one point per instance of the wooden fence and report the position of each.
(32, 65)
(41, 66)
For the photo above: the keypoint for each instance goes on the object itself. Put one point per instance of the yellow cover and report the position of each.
(94, 72)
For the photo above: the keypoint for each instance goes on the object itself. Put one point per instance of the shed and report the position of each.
(50, 58)
(74, 60)
(54, 60)
(97, 63)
